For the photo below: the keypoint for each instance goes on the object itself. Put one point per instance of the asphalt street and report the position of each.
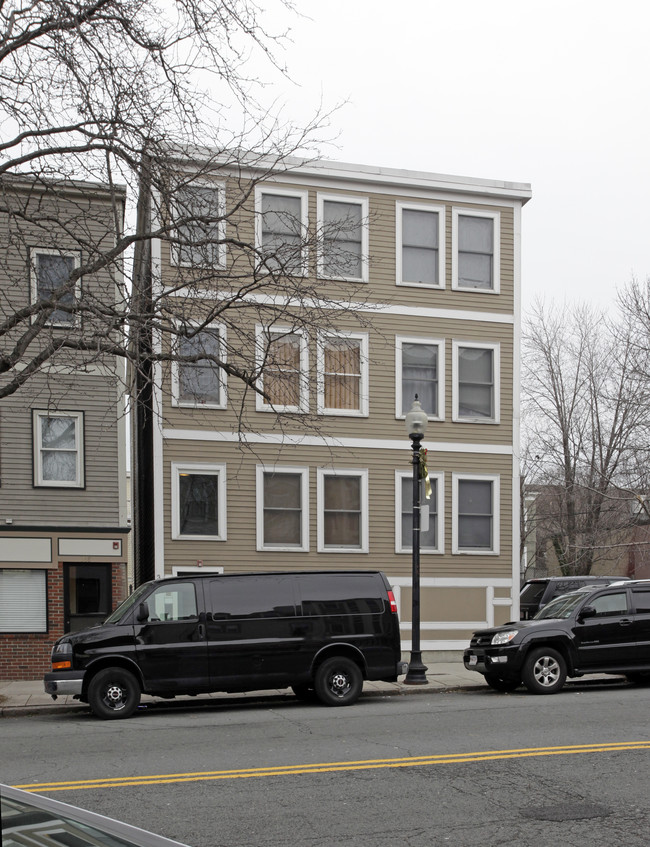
(461, 767)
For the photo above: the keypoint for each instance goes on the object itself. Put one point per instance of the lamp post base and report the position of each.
(417, 672)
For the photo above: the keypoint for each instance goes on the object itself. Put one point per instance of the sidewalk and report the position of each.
(26, 697)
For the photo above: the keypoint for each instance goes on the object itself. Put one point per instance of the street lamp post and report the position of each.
(416, 424)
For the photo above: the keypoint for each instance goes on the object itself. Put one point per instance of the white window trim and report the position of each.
(33, 281)
(437, 480)
(220, 189)
(362, 474)
(495, 479)
(221, 374)
(363, 410)
(260, 470)
(432, 342)
(496, 363)
(79, 481)
(440, 210)
(218, 470)
(261, 336)
(496, 257)
(365, 239)
(303, 196)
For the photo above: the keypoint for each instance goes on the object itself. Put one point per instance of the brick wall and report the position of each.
(26, 655)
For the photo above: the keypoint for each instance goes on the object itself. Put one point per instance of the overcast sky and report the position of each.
(554, 94)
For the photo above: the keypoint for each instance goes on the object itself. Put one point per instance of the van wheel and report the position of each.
(338, 682)
(498, 683)
(113, 693)
(544, 671)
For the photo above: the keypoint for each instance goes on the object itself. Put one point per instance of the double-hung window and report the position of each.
(58, 449)
(343, 374)
(420, 246)
(50, 283)
(199, 216)
(283, 361)
(343, 237)
(476, 382)
(419, 370)
(431, 514)
(200, 381)
(282, 508)
(475, 524)
(281, 229)
(198, 501)
(476, 250)
(342, 511)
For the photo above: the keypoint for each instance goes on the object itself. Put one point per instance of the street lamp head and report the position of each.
(416, 420)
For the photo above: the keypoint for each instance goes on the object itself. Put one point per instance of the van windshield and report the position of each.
(561, 607)
(127, 604)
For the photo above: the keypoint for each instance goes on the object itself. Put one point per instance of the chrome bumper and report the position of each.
(63, 683)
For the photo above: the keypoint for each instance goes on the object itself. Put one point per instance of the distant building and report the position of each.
(439, 259)
(63, 515)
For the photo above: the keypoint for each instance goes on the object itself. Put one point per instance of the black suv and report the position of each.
(536, 593)
(592, 630)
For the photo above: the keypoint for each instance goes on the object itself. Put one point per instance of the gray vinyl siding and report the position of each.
(97, 504)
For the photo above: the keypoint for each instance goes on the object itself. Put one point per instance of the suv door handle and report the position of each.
(201, 631)
(626, 622)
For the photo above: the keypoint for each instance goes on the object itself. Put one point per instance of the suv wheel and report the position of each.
(498, 683)
(544, 671)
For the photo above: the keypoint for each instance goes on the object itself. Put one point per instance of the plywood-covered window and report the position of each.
(343, 374)
(282, 359)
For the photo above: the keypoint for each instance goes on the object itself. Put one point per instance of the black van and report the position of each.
(536, 593)
(321, 633)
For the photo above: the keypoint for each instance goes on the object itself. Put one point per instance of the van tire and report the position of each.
(113, 693)
(338, 681)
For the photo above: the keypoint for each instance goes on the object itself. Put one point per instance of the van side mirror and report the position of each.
(143, 612)
(587, 612)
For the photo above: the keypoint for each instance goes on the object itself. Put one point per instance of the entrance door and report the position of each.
(86, 595)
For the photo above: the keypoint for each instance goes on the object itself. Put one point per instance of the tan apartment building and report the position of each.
(315, 472)
(63, 514)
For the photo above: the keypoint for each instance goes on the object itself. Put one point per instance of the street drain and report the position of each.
(566, 812)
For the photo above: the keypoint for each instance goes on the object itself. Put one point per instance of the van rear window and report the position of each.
(532, 593)
(345, 595)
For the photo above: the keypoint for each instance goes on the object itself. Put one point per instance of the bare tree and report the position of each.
(585, 411)
(132, 94)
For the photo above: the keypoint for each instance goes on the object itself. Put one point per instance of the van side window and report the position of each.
(251, 597)
(611, 604)
(173, 603)
(348, 595)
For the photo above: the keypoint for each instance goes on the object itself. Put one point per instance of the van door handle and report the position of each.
(201, 631)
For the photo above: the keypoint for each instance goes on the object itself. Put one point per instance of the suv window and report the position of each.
(641, 600)
(610, 604)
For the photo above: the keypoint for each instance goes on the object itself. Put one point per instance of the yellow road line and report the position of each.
(329, 767)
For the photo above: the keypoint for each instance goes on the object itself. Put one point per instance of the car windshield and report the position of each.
(561, 607)
(127, 604)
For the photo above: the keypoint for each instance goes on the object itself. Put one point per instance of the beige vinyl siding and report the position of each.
(239, 551)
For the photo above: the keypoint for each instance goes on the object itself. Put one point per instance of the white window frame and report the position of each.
(363, 410)
(220, 190)
(260, 191)
(399, 397)
(437, 481)
(222, 377)
(495, 347)
(218, 470)
(303, 472)
(365, 238)
(33, 284)
(495, 479)
(79, 480)
(496, 257)
(261, 337)
(415, 207)
(24, 604)
(362, 475)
